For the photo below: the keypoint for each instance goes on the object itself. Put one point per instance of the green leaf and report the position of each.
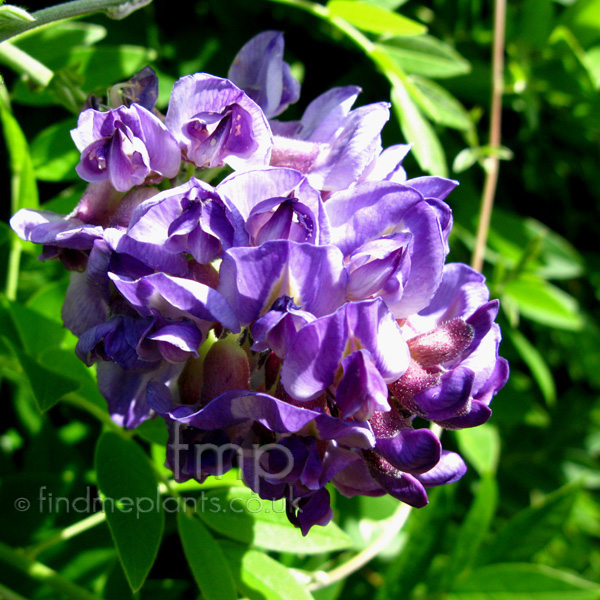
(537, 365)
(374, 19)
(387, 4)
(101, 66)
(530, 530)
(132, 503)
(473, 529)
(592, 63)
(154, 431)
(24, 187)
(481, 447)
(522, 582)
(206, 560)
(49, 44)
(425, 55)
(54, 154)
(48, 300)
(260, 577)
(241, 515)
(425, 529)
(417, 130)
(465, 159)
(37, 333)
(540, 301)
(583, 19)
(438, 104)
(534, 246)
(48, 387)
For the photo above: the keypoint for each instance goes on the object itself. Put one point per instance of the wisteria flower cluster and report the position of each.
(293, 319)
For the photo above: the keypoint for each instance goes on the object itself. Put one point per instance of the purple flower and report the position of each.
(253, 279)
(359, 349)
(394, 241)
(190, 218)
(275, 204)
(215, 123)
(332, 144)
(259, 70)
(455, 369)
(129, 146)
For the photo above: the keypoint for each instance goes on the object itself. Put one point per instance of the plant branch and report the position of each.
(67, 533)
(492, 163)
(117, 9)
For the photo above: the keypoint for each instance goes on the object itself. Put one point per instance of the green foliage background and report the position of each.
(524, 523)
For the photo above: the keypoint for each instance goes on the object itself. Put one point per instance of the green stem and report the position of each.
(23, 63)
(95, 411)
(70, 10)
(12, 276)
(40, 572)
(67, 533)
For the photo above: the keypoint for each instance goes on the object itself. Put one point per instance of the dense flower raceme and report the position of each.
(292, 320)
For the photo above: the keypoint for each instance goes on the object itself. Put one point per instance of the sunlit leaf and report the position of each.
(439, 105)
(425, 55)
(54, 154)
(542, 302)
(419, 132)
(481, 447)
(260, 577)
(536, 363)
(522, 582)
(374, 19)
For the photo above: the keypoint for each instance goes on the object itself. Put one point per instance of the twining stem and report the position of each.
(70, 10)
(67, 533)
(25, 64)
(40, 572)
(492, 163)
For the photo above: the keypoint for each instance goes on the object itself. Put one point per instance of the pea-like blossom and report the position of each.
(298, 319)
(128, 146)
